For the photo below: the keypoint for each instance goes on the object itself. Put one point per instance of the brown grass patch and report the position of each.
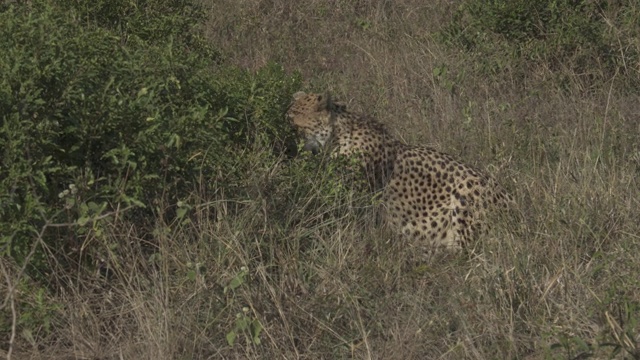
(328, 282)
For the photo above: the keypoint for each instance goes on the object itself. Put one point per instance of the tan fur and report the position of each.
(429, 196)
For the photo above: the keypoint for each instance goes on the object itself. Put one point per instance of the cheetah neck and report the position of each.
(355, 134)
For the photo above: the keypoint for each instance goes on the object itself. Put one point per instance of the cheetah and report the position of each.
(428, 196)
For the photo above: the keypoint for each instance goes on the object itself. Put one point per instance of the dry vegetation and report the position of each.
(324, 280)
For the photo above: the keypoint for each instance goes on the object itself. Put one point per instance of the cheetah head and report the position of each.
(313, 116)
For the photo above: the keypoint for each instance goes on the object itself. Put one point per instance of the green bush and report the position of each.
(593, 39)
(151, 21)
(109, 107)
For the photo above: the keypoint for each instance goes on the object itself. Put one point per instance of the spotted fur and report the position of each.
(429, 196)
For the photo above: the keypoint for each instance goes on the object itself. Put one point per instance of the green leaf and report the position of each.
(83, 220)
(235, 283)
(256, 329)
(191, 275)
(231, 338)
(181, 212)
(242, 323)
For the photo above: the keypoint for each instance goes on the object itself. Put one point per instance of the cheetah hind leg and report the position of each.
(462, 222)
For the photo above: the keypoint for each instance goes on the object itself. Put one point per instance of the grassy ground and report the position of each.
(316, 277)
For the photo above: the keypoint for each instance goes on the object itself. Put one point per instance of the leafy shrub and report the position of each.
(590, 38)
(150, 21)
(99, 118)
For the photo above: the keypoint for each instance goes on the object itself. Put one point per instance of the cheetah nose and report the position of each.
(311, 146)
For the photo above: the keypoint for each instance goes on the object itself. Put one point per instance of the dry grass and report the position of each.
(328, 282)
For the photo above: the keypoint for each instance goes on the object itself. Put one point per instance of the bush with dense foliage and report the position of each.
(107, 106)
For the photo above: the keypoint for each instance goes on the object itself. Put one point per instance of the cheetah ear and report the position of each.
(324, 101)
(298, 95)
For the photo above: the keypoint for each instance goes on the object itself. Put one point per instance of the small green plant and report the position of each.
(246, 325)
(244, 322)
(363, 24)
(442, 76)
(36, 313)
